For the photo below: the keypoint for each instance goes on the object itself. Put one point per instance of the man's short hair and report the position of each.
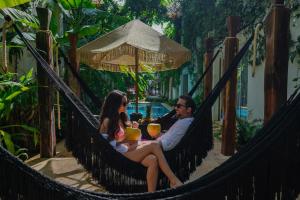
(189, 102)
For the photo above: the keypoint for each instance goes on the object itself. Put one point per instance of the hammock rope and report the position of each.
(238, 177)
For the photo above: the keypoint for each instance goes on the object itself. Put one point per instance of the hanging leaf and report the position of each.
(76, 4)
(18, 15)
(11, 3)
(13, 95)
(10, 83)
(7, 141)
(88, 30)
(22, 153)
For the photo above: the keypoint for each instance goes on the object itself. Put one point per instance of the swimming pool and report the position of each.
(242, 112)
(157, 109)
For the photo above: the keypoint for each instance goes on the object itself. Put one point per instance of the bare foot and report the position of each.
(176, 184)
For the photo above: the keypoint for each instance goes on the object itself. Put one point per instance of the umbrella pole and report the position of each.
(136, 80)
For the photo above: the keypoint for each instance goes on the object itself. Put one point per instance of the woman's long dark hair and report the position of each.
(110, 110)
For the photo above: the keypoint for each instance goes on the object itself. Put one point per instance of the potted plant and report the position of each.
(246, 130)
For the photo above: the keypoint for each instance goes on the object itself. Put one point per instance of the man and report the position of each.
(184, 108)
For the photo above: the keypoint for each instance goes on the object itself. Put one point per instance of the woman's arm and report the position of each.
(104, 126)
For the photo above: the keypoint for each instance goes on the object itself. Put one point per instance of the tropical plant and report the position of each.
(246, 130)
(17, 110)
(192, 21)
(149, 11)
(143, 78)
(28, 24)
(6, 4)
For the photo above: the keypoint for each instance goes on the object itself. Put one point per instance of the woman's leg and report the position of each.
(141, 152)
(150, 162)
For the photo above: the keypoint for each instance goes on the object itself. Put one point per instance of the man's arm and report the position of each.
(173, 136)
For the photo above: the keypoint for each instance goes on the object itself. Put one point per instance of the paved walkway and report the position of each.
(64, 168)
(214, 159)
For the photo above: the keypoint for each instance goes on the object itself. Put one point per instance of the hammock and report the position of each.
(237, 178)
(266, 168)
(97, 155)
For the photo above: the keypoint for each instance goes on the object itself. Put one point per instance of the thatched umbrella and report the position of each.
(133, 45)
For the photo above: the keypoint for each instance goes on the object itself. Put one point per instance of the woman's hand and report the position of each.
(135, 124)
(132, 145)
(120, 136)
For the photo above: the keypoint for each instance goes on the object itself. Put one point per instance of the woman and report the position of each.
(113, 121)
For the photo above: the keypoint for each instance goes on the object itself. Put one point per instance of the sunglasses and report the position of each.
(124, 103)
(178, 105)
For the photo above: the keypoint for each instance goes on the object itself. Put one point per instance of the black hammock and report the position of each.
(266, 168)
(237, 178)
(106, 164)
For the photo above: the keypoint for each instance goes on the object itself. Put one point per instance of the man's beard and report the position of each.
(178, 115)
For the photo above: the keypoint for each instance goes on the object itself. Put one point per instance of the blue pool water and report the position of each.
(157, 109)
(242, 112)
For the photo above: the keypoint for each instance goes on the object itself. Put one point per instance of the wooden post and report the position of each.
(45, 90)
(277, 53)
(229, 126)
(74, 85)
(208, 80)
(207, 59)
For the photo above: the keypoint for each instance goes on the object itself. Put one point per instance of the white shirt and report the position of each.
(172, 137)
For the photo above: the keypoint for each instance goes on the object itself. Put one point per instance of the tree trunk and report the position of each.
(74, 85)
(45, 89)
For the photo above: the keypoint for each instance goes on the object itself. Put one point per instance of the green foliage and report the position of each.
(102, 82)
(170, 30)
(22, 18)
(246, 130)
(164, 76)
(4, 4)
(296, 52)
(148, 11)
(76, 4)
(201, 18)
(143, 78)
(28, 23)
(18, 105)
